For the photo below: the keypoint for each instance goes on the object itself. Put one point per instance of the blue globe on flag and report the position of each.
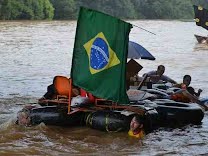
(99, 56)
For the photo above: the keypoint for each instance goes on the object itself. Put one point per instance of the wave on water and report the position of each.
(201, 47)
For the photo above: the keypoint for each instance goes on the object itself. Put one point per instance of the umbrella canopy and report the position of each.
(136, 51)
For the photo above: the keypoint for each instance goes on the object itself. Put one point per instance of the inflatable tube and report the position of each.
(107, 121)
(50, 115)
(158, 93)
(163, 86)
(177, 113)
(151, 120)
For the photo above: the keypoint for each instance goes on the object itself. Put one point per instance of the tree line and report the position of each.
(126, 9)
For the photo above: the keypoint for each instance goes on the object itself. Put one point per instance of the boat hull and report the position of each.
(201, 39)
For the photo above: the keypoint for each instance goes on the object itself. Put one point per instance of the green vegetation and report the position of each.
(128, 9)
(26, 9)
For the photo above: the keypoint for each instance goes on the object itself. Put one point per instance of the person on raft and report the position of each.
(186, 85)
(157, 76)
(186, 92)
(136, 127)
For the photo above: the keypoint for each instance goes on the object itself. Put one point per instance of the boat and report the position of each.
(201, 39)
(201, 19)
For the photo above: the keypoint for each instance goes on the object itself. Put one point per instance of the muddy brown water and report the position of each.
(33, 52)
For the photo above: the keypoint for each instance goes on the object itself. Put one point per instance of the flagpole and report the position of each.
(144, 29)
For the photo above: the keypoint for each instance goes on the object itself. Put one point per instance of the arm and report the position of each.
(177, 85)
(149, 74)
(194, 99)
(191, 97)
(192, 91)
(199, 92)
(168, 79)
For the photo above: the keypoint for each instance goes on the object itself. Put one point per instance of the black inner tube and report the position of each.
(53, 115)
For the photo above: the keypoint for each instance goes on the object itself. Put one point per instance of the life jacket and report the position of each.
(180, 98)
(139, 135)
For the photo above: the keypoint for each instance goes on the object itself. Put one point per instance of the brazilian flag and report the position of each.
(100, 55)
(201, 16)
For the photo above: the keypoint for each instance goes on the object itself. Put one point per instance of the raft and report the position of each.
(107, 116)
(104, 120)
(158, 113)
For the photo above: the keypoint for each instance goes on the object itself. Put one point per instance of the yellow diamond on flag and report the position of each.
(206, 23)
(100, 54)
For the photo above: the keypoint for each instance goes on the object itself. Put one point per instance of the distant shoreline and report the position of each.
(182, 20)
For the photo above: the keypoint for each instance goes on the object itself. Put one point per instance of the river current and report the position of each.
(33, 52)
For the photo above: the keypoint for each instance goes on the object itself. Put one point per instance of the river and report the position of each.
(33, 52)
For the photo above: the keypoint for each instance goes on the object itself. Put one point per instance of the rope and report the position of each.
(144, 29)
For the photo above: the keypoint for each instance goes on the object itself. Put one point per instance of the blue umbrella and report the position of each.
(136, 51)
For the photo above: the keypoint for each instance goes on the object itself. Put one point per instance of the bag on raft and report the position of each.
(79, 101)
